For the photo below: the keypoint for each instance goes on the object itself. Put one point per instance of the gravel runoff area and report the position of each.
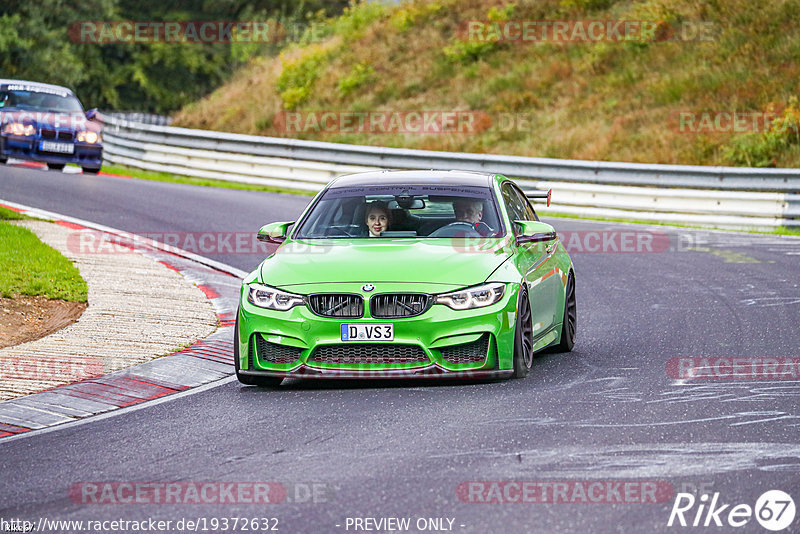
(139, 309)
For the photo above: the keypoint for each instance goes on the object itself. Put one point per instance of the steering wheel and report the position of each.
(340, 231)
(484, 229)
(453, 229)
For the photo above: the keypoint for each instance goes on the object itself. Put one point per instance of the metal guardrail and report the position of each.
(142, 118)
(717, 196)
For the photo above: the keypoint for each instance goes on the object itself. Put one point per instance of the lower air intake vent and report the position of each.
(468, 352)
(369, 353)
(274, 353)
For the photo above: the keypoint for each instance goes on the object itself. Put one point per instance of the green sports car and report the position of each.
(407, 274)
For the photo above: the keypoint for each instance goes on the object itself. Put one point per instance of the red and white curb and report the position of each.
(202, 363)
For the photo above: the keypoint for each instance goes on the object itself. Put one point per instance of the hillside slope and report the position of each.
(612, 100)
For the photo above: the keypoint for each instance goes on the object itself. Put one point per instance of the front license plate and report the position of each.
(52, 146)
(368, 332)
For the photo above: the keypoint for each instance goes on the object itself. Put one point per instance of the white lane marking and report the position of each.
(119, 411)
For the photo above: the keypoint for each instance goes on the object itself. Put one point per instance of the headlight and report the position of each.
(17, 128)
(271, 298)
(88, 137)
(473, 297)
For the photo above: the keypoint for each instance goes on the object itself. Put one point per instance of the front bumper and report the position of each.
(430, 371)
(27, 148)
(433, 335)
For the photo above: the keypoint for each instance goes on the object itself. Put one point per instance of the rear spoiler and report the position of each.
(540, 194)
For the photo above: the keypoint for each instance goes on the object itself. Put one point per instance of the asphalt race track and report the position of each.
(608, 412)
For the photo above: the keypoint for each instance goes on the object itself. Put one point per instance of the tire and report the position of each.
(523, 336)
(89, 170)
(570, 322)
(264, 381)
(55, 166)
(3, 161)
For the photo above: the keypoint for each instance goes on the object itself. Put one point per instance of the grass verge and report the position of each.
(11, 215)
(30, 267)
(207, 182)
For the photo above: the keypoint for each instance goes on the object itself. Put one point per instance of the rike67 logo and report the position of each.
(774, 510)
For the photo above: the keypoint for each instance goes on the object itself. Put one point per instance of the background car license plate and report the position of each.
(368, 332)
(52, 146)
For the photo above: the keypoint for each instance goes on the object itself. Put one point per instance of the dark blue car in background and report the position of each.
(46, 123)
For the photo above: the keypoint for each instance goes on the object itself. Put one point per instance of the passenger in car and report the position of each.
(377, 218)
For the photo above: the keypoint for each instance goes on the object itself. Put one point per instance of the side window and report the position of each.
(514, 205)
(530, 214)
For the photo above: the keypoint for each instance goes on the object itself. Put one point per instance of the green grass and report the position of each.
(11, 215)
(207, 182)
(30, 267)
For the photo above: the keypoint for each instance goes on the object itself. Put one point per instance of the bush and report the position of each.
(361, 74)
(763, 149)
(359, 15)
(298, 76)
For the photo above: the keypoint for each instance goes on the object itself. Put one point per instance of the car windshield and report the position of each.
(39, 100)
(410, 211)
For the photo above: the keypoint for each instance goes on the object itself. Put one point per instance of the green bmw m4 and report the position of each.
(407, 274)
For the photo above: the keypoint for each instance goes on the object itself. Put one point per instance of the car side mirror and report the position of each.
(91, 114)
(534, 232)
(274, 232)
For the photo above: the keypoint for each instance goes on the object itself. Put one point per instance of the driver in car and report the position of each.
(469, 211)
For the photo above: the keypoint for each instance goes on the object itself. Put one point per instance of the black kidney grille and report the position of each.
(396, 305)
(467, 352)
(274, 353)
(336, 304)
(61, 135)
(369, 353)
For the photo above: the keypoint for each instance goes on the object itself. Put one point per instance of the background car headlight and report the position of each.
(473, 297)
(271, 298)
(17, 128)
(88, 137)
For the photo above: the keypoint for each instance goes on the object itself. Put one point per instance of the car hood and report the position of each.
(452, 262)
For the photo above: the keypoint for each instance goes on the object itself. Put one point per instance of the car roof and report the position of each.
(414, 178)
(37, 85)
